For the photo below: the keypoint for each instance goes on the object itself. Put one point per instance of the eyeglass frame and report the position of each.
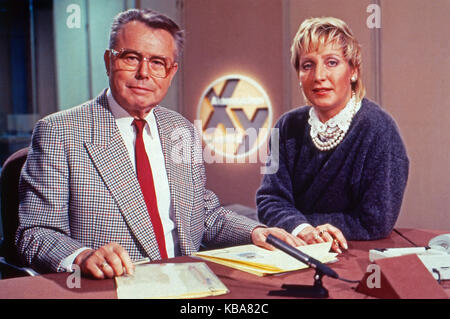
(116, 54)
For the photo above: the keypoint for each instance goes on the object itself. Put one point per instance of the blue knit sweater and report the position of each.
(357, 187)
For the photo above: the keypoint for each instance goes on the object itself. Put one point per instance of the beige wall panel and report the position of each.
(415, 77)
(227, 37)
(406, 60)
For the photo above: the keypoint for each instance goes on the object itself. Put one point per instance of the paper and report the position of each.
(262, 262)
(437, 265)
(170, 281)
(375, 254)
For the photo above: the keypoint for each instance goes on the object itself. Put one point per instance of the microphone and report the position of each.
(304, 258)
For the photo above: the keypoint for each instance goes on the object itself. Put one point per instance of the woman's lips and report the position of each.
(321, 91)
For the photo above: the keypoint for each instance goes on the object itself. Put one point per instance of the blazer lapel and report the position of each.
(110, 157)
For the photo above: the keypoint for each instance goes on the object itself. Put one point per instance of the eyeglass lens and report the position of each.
(131, 60)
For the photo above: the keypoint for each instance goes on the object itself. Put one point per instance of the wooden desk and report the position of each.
(352, 264)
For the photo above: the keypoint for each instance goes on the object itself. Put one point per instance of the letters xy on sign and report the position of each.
(236, 114)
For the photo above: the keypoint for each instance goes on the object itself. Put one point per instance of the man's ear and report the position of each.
(107, 59)
(173, 71)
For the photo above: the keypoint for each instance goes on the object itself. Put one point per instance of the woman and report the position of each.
(342, 163)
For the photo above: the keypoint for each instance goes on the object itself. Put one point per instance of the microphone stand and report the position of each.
(317, 290)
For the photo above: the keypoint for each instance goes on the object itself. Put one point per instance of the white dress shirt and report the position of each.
(156, 157)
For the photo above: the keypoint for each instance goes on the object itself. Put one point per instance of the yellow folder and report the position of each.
(262, 262)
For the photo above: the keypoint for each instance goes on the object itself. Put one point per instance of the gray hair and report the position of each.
(152, 19)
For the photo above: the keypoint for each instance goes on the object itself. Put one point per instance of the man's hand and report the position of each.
(324, 233)
(106, 262)
(259, 236)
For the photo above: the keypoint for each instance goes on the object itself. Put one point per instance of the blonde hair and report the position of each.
(314, 33)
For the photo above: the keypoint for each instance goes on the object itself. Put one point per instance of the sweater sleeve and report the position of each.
(380, 192)
(274, 198)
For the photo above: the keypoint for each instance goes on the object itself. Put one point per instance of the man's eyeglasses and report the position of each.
(131, 60)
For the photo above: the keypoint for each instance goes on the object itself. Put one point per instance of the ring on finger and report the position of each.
(104, 264)
(321, 232)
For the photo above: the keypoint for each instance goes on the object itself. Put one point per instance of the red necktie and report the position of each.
(145, 177)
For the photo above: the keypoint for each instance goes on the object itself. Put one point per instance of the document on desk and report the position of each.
(262, 262)
(170, 281)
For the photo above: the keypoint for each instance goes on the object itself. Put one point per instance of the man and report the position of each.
(101, 189)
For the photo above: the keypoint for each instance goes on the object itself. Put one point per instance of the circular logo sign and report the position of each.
(235, 115)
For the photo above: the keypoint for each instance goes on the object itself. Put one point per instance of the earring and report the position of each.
(300, 84)
(353, 79)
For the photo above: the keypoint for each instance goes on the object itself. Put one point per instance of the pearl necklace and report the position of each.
(328, 135)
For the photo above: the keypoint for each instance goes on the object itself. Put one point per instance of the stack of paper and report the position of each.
(170, 281)
(261, 262)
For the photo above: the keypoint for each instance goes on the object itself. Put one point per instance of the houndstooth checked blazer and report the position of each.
(78, 188)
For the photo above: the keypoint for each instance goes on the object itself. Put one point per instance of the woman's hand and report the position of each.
(324, 233)
(259, 236)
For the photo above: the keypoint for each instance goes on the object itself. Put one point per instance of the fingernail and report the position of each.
(339, 251)
(345, 246)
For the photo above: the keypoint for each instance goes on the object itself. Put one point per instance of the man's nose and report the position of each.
(143, 71)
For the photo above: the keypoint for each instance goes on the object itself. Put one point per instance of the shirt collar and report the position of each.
(341, 120)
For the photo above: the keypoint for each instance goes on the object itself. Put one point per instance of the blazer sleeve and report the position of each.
(222, 227)
(43, 236)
